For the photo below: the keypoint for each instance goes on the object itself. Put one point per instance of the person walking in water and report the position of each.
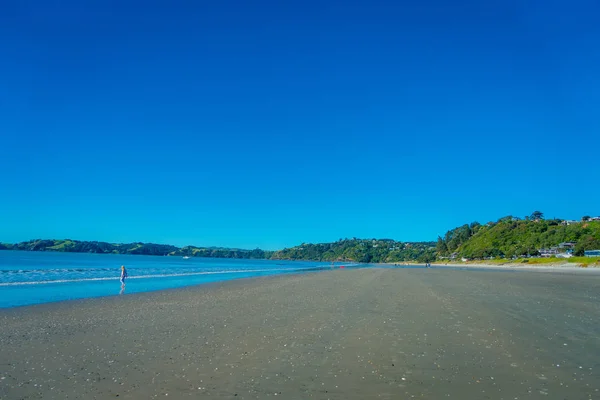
(123, 275)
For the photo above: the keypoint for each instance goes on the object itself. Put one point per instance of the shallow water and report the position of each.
(41, 277)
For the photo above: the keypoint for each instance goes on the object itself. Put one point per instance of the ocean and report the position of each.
(41, 277)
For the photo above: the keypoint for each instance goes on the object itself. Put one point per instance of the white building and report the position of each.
(592, 253)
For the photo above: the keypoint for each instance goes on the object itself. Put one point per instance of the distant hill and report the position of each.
(221, 252)
(510, 236)
(77, 246)
(361, 250)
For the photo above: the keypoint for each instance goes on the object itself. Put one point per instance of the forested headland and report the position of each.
(512, 236)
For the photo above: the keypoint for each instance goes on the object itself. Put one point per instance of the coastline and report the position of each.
(557, 268)
(545, 267)
(40, 277)
(341, 334)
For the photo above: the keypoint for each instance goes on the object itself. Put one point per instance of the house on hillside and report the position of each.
(567, 222)
(553, 251)
(450, 257)
(567, 245)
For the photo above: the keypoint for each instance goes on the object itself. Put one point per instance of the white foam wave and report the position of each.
(112, 278)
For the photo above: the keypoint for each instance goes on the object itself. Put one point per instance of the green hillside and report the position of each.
(77, 246)
(221, 252)
(358, 250)
(513, 237)
(361, 250)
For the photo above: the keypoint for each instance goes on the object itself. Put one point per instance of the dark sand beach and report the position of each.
(344, 334)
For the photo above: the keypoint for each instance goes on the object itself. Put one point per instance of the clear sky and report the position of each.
(272, 123)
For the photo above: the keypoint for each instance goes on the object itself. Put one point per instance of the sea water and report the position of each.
(40, 277)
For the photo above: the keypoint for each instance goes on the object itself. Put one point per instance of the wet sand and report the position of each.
(558, 267)
(564, 268)
(344, 334)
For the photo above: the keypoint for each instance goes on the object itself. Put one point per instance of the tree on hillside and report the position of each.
(474, 225)
(587, 243)
(586, 218)
(441, 247)
(537, 215)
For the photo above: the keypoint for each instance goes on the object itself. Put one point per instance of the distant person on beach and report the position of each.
(123, 275)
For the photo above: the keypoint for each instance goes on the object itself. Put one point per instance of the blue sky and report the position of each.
(270, 123)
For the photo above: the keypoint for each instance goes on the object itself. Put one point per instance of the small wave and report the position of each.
(112, 278)
(54, 270)
(57, 281)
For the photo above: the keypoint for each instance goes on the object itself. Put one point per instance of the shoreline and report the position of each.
(563, 268)
(212, 285)
(542, 267)
(556, 268)
(37, 278)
